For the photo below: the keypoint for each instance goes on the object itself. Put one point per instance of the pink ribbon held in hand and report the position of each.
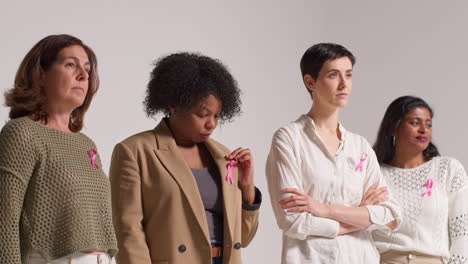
(429, 185)
(230, 167)
(92, 155)
(361, 162)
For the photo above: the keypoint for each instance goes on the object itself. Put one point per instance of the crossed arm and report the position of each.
(351, 219)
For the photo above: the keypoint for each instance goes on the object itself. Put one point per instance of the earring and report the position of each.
(393, 140)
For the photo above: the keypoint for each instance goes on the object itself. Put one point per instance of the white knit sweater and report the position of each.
(436, 224)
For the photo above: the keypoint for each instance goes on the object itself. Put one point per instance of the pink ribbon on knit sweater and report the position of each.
(230, 167)
(92, 155)
(361, 162)
(429, 185)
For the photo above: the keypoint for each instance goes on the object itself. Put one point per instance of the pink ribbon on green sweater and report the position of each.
(230, 167)
(92, 153)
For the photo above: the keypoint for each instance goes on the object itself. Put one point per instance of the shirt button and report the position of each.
(182, 248)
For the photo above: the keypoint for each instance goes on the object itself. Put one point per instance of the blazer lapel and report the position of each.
(172, 160)
(229, 190)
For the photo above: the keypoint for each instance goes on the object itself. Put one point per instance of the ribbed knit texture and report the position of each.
(51, 197)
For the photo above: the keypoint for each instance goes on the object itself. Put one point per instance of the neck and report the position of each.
(59, 121)
(179, 139)
(406, 159)
(325, 118)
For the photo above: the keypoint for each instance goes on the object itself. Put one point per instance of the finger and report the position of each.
(292, 190)
(244, 157)
(247, 163)
(378, 193)
(370, 191)
(297, 209)
(377, 199)
(291, 198)
(242, 152)
(383, 199)
(234, 153)
(294, 203)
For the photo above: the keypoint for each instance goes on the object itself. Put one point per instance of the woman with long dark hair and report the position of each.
(431, 189)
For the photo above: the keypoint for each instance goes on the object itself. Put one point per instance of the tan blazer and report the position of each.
(158, 213)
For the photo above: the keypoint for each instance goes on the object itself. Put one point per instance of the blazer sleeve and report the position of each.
(282, 172)
(127, 208)
(457, 189)
(250, 214)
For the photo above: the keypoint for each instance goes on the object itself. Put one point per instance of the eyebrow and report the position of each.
(332, 70)
(76, 59)
(419, 118)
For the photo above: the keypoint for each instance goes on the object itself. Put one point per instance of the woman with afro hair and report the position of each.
(179, 196)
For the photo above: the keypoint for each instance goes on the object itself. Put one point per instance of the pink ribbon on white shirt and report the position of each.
(361, 162)
(429, 185)
(230, 167)
(92, 155)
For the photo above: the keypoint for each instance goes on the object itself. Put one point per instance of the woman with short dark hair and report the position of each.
(178, 195)
(317, 172)
(55, 202)
(431, 189)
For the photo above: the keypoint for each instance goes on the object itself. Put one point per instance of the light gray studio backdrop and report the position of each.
(402, 47)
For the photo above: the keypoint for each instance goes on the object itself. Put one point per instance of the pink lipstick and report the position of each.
(422, 138)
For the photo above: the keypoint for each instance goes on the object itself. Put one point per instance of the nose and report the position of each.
(211, 123)
(423, 128)
(343, 82)
(83, 74)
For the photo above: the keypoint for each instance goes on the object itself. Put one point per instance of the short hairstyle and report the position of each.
(27, 97)
(396, 112)
(183, 79)
(313, 59)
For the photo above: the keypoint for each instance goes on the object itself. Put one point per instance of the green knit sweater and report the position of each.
(52, 198)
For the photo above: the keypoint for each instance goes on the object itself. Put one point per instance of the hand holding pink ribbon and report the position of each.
(92, 153)
(359, 167)
(429, 185)
(230, 167)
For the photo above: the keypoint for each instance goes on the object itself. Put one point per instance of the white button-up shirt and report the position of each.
(299, 159)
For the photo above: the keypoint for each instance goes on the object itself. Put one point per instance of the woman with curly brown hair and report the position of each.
(54, 197)
(179, 196)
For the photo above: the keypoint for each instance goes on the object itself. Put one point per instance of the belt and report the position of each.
(216, 252)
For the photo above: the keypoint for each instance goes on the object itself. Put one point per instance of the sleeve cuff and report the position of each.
(324, 227)
(380, 217)
(257, 202)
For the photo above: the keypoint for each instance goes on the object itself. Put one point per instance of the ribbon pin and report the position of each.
(92, 155)
(230, 167)
(429, 185)
(361, 162)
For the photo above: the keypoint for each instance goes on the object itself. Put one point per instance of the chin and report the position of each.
(341, 104)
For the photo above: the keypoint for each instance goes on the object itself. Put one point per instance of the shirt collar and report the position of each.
(312, 126)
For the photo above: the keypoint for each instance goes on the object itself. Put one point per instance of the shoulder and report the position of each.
(452, 170)
(18, 129)
(358, 142)
(219, 146)
(451, 164)
(139, 140)
(290, 130)
(18, 125)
